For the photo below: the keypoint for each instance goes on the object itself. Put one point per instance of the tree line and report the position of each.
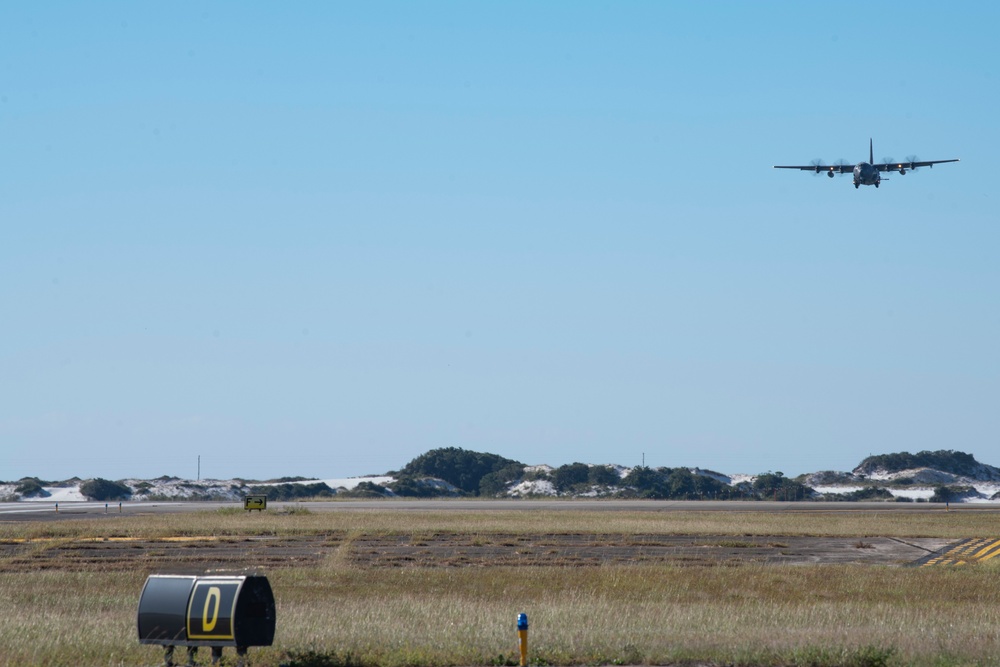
(489, 475)
(450, 471)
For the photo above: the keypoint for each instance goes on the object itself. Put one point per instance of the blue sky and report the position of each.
(324, 238)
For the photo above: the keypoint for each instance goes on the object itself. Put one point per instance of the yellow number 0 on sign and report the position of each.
(214, 593)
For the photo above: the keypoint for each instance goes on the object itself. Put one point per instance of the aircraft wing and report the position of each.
(821, 168)
(896, 166)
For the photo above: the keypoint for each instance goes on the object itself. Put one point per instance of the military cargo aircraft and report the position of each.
(867, 173)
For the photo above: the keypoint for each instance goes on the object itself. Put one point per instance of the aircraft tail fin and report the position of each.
(871, 152)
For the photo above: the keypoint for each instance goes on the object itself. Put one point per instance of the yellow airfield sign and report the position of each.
(254, 503)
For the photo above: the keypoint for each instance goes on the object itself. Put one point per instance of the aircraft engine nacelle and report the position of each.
(830, 174)
(902, 172)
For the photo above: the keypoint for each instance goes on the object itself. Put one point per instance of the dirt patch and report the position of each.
(165, 556)
(583, 550)
(198, 554)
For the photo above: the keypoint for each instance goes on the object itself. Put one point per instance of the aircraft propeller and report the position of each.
(904, 166)
(839, 167)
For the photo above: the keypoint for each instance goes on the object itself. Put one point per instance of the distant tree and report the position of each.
(684, 484)
(567, 477)
(648, 482)
(418, 487)
(603, 476)
(366, 490)
(30, 487)
(496, 483)
(830, 477)
(143, 488)
(710, 487)
(867, 493)
(292, 491)
(537, 474)
(942, 494)
(103, 489)
(459, 467)
(681, 484)
(956, 463)
(952, 494)
(492, 485)
(775, 486)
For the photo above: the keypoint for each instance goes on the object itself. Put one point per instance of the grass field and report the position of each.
(338, 612)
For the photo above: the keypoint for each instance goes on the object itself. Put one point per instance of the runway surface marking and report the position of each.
(184, 538)
(967, 552)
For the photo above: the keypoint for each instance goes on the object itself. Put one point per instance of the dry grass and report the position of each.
(340, 614)
(744, 615)
(847, 523)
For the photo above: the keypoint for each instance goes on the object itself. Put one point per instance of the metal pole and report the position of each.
(522, 638)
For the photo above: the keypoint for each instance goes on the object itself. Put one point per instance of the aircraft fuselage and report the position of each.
(865, 173)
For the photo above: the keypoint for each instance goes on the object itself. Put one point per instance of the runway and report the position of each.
(42, 511)
(933, 551)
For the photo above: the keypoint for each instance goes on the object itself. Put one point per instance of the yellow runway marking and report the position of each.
(25, 540)
(967, 552)
(989, 552)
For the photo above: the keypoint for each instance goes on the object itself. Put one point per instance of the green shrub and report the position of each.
(952, 494)
(103, 489)
(867, 493)
(366, 490)
(419, 487)
(946, 460)
(30, 487)
(292, 491)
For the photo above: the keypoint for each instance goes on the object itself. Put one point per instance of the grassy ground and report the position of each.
(340, 614)
(234, 522)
